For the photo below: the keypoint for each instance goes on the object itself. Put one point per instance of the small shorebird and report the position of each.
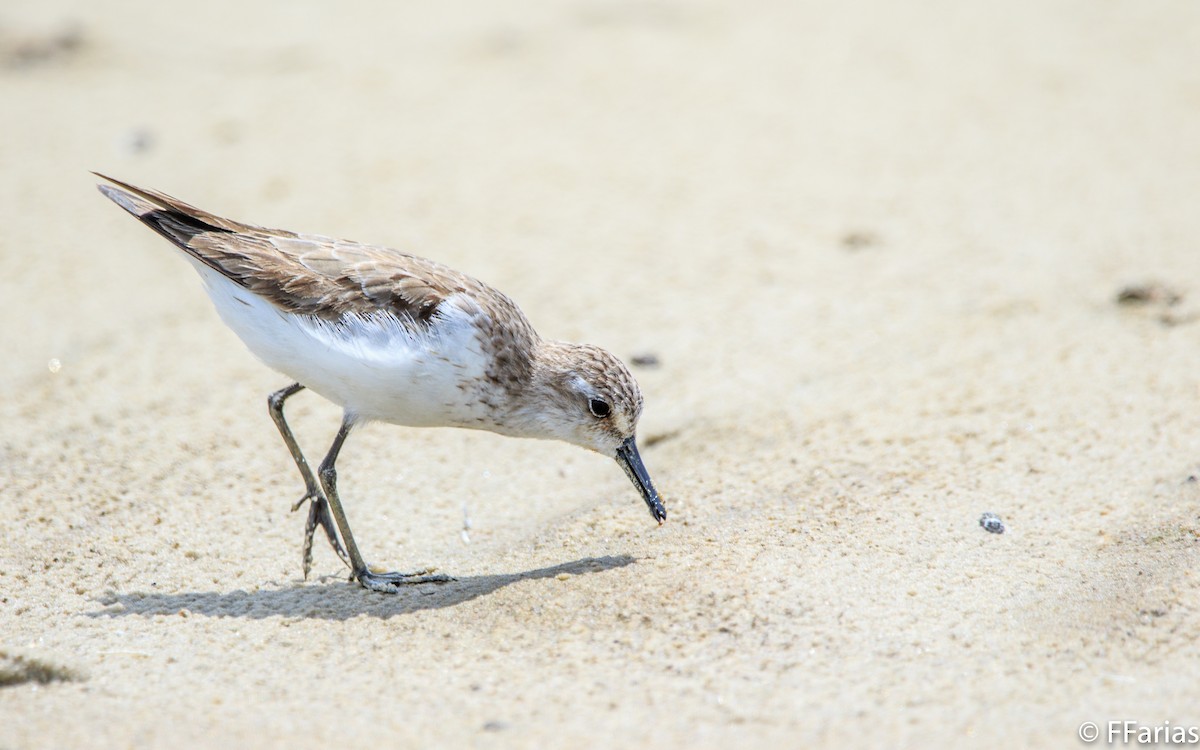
(393, 337)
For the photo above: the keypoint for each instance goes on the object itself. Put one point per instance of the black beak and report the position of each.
(631, 462)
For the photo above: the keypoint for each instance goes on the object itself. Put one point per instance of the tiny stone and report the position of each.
(645, 359)
(54, 365)
(495, 726)
(1150, 293)
(859, 240)
(137, 141)
(991, 523)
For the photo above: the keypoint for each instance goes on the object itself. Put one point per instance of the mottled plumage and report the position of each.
(394, 337)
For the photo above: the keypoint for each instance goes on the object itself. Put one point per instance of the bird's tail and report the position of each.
(170, 217)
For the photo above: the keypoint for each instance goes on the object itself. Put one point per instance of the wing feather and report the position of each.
(306, 274)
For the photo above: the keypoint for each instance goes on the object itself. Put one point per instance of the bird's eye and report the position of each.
(599, 408)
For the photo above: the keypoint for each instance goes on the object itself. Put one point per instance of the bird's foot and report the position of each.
(390, 583)
(318, 515)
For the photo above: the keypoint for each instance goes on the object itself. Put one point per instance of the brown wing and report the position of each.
(329, 278)
(299, 273)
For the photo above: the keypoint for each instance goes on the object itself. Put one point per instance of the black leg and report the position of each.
(318, 512)
(386, 582)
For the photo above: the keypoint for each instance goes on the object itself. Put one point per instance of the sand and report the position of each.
(876, 248)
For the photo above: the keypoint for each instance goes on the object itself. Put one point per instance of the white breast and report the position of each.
(374, 366)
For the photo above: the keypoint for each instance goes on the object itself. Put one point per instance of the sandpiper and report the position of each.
(393, 337)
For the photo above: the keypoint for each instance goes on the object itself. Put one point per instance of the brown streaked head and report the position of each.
(584, 395)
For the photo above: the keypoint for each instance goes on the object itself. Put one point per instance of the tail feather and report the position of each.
(128, 201)
(170, 217)
(159, 200)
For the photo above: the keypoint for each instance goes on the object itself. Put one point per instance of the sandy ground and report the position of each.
(876, 248)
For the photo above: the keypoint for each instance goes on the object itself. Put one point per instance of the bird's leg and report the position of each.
(318, 512)
(360, 571)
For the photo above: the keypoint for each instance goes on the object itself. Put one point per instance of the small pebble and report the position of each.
(1150, 293)
(645, 359)
(39, 50)
(859, 240)
(137, 141)
(991, 523)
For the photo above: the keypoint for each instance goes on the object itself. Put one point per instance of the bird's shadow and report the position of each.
(338, 601)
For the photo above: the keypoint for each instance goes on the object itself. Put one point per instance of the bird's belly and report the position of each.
(375, 367)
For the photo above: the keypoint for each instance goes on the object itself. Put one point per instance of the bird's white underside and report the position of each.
(375, 367)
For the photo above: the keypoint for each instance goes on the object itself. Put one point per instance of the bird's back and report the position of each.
(377, 313)
(306, 274)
